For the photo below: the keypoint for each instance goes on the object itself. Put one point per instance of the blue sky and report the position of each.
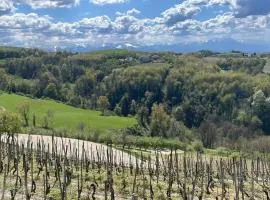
(175, 25)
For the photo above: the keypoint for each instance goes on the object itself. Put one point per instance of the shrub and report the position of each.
(197, 146)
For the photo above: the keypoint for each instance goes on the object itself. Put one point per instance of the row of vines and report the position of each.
(62, 170)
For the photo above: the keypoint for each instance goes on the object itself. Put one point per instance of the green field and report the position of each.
(100, 54)
(65, 116)
(153, 65)
(267, 67)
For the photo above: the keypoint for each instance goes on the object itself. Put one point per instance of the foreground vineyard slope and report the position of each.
(62, 169)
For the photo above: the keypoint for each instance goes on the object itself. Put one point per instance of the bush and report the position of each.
(197, 146)
(114, 136)
(222, 151)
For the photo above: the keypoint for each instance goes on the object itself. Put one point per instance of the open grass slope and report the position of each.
(94, 55)
(267, 67)
(111, 53)
(65, 116)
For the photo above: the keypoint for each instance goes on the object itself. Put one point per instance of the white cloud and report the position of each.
(104, 2)
(6, 6)
(32, 30)
(189, 8)
(128, 24)
(180, 12)
(24, 21)
(36, 4)
(240, 8)
(243, 8)
(176, 25)
(101, 24)
(132, 12)
(126, 45)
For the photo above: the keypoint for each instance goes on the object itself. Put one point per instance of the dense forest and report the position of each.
(216, 98)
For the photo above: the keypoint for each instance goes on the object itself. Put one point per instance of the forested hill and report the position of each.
(206, 95)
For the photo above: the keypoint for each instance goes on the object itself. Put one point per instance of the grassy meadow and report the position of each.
(65, 116)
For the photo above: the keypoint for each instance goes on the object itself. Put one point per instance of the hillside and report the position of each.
(216, 99)
(65, 116)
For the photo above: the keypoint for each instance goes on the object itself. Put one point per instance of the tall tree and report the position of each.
(261, 107)
(103, 103)
(85, 85)
(124, 105)
(24, 110)
(159, 121)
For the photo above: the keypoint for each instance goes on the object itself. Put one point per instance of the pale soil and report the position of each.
(75, 145)
(2, 108)
(75, 148)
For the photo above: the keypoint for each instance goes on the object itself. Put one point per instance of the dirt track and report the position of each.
(92, 151)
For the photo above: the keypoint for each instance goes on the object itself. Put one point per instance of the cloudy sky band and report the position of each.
(186, 22)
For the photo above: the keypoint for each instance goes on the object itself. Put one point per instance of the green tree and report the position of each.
(208, 134)
(3, 80)
(103, 103)
(117, 110)
(178, 130)
(51, 91)
(259, 101)
(124, 105)
(10, 123)
(178, 113)
(24, 110)
(133, 107)
(261, 107)
(159, 121)
(142, 116)
(85, 85)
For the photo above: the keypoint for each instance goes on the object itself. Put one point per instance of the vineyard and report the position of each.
(58, 168)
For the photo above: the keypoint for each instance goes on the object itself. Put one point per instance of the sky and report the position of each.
(171, 25)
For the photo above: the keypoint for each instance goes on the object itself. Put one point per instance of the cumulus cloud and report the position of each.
(101, 24)
(6, 6)
(176, 25)
(104, 2)
(240, 8)
(128, 24)
(32, 30)
(189, 8)
(244, 8)
(180, 12)
(132, 11)
(36, 4)
(24, 21)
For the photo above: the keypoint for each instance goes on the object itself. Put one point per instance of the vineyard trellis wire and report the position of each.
(59, 168)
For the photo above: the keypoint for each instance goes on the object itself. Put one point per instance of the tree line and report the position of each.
(183, 97)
